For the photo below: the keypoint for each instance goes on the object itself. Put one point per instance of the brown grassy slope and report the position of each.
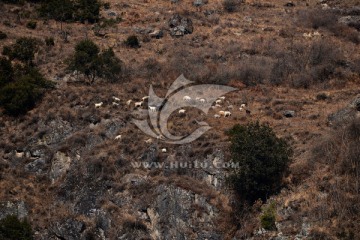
(221, 35)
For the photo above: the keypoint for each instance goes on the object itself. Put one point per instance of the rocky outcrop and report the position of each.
(13, 208)
(181, 214)
(179, 26)
(345, 115)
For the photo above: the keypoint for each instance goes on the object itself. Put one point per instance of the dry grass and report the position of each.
(225, 48)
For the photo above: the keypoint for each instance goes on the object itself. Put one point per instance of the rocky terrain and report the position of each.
(63, 170)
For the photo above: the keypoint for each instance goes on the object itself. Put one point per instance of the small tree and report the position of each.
(86, 60)
(263, 160)
(89, 61)
(11, 228)
(111, 66)
(87, 10)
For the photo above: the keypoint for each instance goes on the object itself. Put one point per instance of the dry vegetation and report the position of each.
(257, 47)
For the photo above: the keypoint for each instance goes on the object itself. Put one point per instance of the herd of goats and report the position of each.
(216, 104)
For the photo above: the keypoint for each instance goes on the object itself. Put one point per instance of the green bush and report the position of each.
(230, 5)
(268, 217)
(111, 66)
(11, 228)
(31, 25)
(3, 35)
(89, 61)
(21, 89)
(87, 10)
(24, 50)
(132, 41)
(71, 10)
(6, 72)
(263, 159)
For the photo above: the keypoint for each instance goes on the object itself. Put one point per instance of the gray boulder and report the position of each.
(289, 113)
(179, 26)
(345, 115)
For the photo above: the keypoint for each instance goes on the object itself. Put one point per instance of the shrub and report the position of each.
(60, 10)
(230, 5)
(31, 25)
(89, 61)
(71, 10)
(268, 217)
(6, 71)
(3, 35)
(111, 66)
(85, 59)
(21, 92)
(49, 41)
(132, 41)
(11, 228)
(254, 71)
(263, 159)
(87, 10)
(24, 50)
(107, 6)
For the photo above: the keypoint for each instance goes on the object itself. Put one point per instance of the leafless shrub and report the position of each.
(346, 32)
(254, 71)
(317, 18)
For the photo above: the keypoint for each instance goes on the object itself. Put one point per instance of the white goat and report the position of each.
(118, 137)
(202, 100)
(152, 108)
(222, 113)
(307, 35)
(128, 102)
(243, 105)
(182, 111)
(149, 140)
(241, 109)
(218, 101)
(216, 116)
(145, 98)
(115, 104)
(138, 104)
(116, 99)
(222, 98)
(98, 105)
(316, 34)
(217, 105)
(187, 98)
(164, 150)
(227, 114)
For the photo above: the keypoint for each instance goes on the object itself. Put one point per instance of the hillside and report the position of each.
(294, 64)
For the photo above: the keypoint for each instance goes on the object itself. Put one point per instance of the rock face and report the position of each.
(13, 208)
(60, 164)
(186, 215)
(289, 113)
(69, 229)
(179, 26)
(351, 21)
(345, 115)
